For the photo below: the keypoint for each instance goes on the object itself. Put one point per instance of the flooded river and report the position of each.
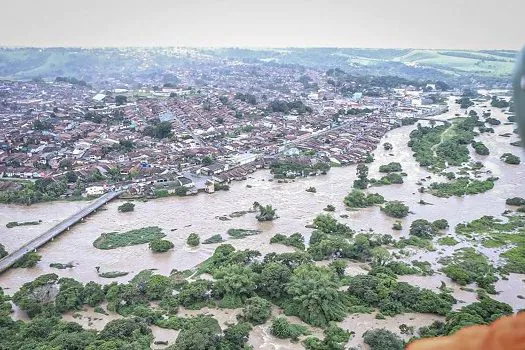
(178, 217)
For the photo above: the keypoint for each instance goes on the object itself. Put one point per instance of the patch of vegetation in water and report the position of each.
(238, 233)
(126, 207)
(295, 240)
(391, 167)
(24, 223)
(213, 239)
(112, 274)
(515, 259)
(515, 201)
(160, 245)
(414, 241)
(389, 179)
(444, 145)
(448, 241)
(495, 232)
(487, 224)
(28, 260)
(193, 240)
(467, 266)
(510, 158)
(484, 311)
(283, 329)
(460, 187)
(238, 214)
(480, 148)
(114, 240)
(395, 209)
(360, 199)
(383, 291)
(61, 266)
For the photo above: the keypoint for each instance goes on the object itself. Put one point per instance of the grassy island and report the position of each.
(114, 240)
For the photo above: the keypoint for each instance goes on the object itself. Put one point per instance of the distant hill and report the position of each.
(97, 65)
(489, 63)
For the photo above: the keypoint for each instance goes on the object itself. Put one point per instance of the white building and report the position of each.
(94, 191)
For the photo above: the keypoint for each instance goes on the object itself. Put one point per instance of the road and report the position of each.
(39, 241)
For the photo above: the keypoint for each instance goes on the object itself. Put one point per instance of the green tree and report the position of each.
(390, 168)
(236, 336)
(272, 280)
(382, 339)
(266, 212)
(121, 100)
(71, 177)
(440, 224)
(195, 293)
(484, 311)
(92, 294)
(69, 296)
(315, 296)
(160, 245)
(423, 229)
(234, 283)
(283, 329)
(28, 260)
(510, 158)
(339, 266)
(256, 310)
(329, 225)
(34, 297)
(126, 207)
(65, 164)
(160, 130)
(201, 333)
(398, 226)
(126, 145)
(158, 286)
(395, 209)
(207, 160)
(126, 329)
(193, 240)
(335, 338)
(359, 199)
(362, 177)
(480, 148)
(380, 256)
(516, 201)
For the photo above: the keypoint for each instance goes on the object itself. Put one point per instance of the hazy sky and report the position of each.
(457, 24)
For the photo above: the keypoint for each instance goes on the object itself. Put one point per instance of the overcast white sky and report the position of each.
(456, 24)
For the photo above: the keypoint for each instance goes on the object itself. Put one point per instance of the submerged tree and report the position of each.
(362, 177)
(266, 212)
(316, 298)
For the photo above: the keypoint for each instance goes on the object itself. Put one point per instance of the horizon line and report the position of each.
(244, 47)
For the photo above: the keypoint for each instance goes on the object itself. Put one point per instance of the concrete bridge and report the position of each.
(50, 234)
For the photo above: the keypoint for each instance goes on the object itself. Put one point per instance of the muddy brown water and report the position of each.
(178, 217)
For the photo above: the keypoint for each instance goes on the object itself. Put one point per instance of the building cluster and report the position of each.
(213, 125)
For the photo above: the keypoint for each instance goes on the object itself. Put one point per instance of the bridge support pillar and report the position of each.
(68, 228)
